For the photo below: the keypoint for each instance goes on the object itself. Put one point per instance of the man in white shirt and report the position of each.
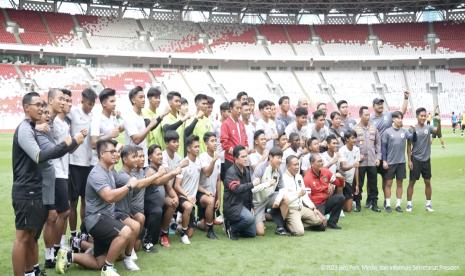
(302, 212)
(260, 154)
(293, 149)
(350, 161)
(318, 129)
(249, 126)
(267, 124)
(134, 124)
(300, 124)
(80, 159)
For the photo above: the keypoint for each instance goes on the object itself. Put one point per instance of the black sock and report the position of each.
(36, 268)
(183, 232)
(210, 227)
(56, 248)
(73, 233)
(69, 256)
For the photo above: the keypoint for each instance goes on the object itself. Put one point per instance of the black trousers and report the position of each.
(333, 207)
(372, 184)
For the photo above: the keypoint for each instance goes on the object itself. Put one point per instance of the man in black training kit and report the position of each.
(418, 154)
(30, 214)
(237, 197)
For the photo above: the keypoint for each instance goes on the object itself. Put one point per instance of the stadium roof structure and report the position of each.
(288, 6)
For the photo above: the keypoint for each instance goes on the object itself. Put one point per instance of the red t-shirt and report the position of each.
(320, 184)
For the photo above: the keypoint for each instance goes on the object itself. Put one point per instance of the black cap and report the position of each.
(378, 101)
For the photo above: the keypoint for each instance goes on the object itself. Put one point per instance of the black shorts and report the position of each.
(439, 135)
(103, 233)
(77, 181)
(463, 127)
(30, 214)
(422, 168)
(201, 210)
(380, 170)
(61, 195)
(396, 171)
(181, 209)
(454, 125)
(347, 191)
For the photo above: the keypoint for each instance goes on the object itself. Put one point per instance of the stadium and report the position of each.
(321, 51)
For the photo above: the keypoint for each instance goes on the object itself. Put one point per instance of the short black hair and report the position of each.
(341, 102)
(172, 94)
(200, 97)
(397, 114)
(330, 138)
(294, 135)
(334, 114)
(207, 136)
(245, 104)
(317, 114)
(263, 104)
(210, 100)
(27, 98)
(309, 141)
(275, 151)
(349, 133)
(241, 94)
(133, 92)
(128, 150)
(89, 94)
(170, 135)
(224, 106)
(258, 133)
(301, 111)
(232, 103)
(105, 94)
(52, 93)
(66, 92)
(184, 101)
(282, 99)
(191, 139)
(152, 149)
(360, 111)
(154, 92)
(313, 157)
(290, 158)
(320, 104)
(250, 100)
(237, 149)
(102, 145)
(420, 110)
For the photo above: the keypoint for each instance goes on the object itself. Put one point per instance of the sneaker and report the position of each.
(38, 272)
(109, 271)
(149, 247)
(281, 231)
(130, 265)
(185, 239)
(368, 204)
(375, 208)
(429, 208)
(231, 235)
(334, 226)
(388, 209)
(211, 235)
(164, 240)
(49, 264)
(75, 244)
(399, 209)
(84, 237)
(133, 255)
(357, 209)
(409, 208)
(61, 261)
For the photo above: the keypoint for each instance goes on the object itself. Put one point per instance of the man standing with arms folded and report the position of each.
(285, 116)
(232, 134)
(30, 214)
(419, 162)
(80, 159)
(369, 143)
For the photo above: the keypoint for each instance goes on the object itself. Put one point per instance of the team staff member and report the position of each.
(419, 154)
(30, 214)
(369, 143)
(232, 134)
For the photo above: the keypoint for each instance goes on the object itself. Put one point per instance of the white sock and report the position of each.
(398, 202)
(428, 202)
(63, 240)
(49, 253)
(29, 273)
(409, 203)
(388, 202)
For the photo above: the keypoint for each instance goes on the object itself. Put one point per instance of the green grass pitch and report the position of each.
(386, 244)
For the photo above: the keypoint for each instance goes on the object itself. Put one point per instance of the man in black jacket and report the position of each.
(237, 197)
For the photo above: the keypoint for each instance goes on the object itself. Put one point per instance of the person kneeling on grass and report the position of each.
(265, 193)
(302, 212)
(111, 236)
(237, 197)
(187, 186)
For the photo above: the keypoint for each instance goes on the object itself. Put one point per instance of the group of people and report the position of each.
(179, 167)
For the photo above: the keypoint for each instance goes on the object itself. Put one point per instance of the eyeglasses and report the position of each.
(111, 151)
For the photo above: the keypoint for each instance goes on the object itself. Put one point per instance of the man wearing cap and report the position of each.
(382, 120)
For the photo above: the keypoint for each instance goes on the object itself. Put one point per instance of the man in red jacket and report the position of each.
(232, 134)
(322, 182)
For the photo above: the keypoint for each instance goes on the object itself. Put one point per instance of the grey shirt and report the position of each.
(382, 122)
(98, 179)
(348, 123)
(45, 141)
(137, 199)
(121, 179)
(282, 121)
(421, 148)
(393, 145)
